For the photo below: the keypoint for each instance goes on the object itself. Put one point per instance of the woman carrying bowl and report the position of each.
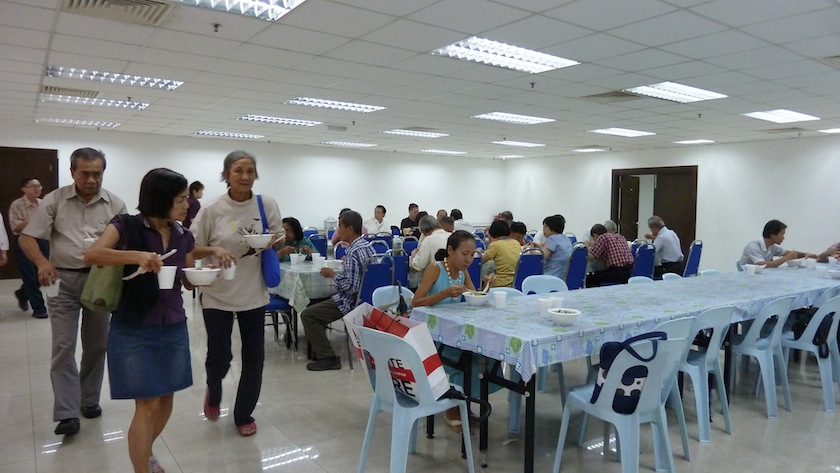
(295, 241)
(148, 346)
(224, 222)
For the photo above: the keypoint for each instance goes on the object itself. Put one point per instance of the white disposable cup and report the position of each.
(52, 289)
(166, 277)
(230, 272)
(811, 263)
(556, 302)
(545, 304)
(198, 264)
(315, 256)
(499, 298)
(749, 268)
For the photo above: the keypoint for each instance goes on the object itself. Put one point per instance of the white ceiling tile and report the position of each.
(669, 28)
(472, 17)
(747, 12)
(642, 60)
(521, 33)
(413, 36)
(594, 47)
(389, 7)
(103, 29)
(754, 58)
(336, 18)
(716, 44)
(26, 16)
(792, 69)
(591, 13)
(183, 60)
(368, 53)
(289, 38)
(191, 43)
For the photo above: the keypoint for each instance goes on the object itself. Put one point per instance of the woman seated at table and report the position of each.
(557, 247)
(504, 252)
(295, 241)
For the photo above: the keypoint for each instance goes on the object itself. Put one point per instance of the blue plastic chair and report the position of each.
(571, 236)
(410, 244)
(378, 272)
(634, 248)
(480, 235)
(379, 246)
(639, 280)
(474, 270)
(479, 244)
(309, 231)
(386, 296)
(576, 269)
(692, 265)
(320, 243)
(386, 238)
(530, 263)
(671, 277)
(529, 237)
(767, 350)
(406, 411)
(400, 268)
(543, 284)
(341, 249)
(643, 266)
(330, 233)
(704, 361)
(395, 231)
(276, 308)
(650, 409)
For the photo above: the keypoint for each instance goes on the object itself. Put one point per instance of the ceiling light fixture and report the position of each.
(511, 156)
(693, 142)
(279, 120)
(348, 144)
(415, 133)
(589, 150)
(112, 77)
(442, 151)
(91, 101)
(521, 144)
(781, 116)
(830, 130)
(494, 53)
(229, 134)
(675, 92)
(72, 122)
(335, 105)
(513, 118)
(270, 10)
(622, 132)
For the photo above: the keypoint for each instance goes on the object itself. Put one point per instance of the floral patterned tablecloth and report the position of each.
(301, 283)
(518, 335)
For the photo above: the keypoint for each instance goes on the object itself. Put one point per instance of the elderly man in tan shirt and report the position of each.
(20, 212)
(434, 239)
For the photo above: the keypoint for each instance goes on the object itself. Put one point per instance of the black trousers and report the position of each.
(669, 267)
(613, 275)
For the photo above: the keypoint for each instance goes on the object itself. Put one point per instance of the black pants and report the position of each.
(669, 267)
(31, 288)
(613, 275)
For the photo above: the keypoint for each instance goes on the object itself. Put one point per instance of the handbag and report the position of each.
(103, 289)
(626, 398)
(270, 260)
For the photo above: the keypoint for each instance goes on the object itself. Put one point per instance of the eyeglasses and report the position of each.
(35, 187)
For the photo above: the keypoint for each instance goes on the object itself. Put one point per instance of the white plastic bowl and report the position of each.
(795, 263)
(201, 276)
(563, 316)
(475, 298)
(834, 273)
(259, 241)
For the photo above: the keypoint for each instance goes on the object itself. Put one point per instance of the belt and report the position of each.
(76, 270)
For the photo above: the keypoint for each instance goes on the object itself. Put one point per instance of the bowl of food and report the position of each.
(201, 276)
(795, 263)
(563, 316)
(834, 273)
(476, 298)
(259, 241)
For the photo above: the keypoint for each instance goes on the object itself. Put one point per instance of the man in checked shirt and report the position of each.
(316, 317)
(613, 249)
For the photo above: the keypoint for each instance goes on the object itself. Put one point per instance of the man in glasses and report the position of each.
(29, 294)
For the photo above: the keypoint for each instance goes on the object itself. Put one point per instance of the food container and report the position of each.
(563, 316)
(259, 241)
(201, 276)
(476, 298)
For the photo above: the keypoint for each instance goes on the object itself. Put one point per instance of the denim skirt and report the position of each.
(146, 360)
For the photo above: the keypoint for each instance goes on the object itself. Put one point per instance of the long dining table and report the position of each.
(522, 337)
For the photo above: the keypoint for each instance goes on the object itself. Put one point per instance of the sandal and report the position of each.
(247, 430)
(210, 412)
(154, 466)
(453, 420)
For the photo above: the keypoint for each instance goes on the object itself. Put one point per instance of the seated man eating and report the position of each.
(763, 250)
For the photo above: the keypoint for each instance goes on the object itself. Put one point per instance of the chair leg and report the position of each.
(724, 401)
(662, 443)
(374, 409)
(583, 422)
(561, 378)
(400, 442)
(824, 365)
(349, 348)
(701, 403)
(768, 371)
(561, 439)
(676, 402)
(779, 362)
(627, 436)
(465, 437)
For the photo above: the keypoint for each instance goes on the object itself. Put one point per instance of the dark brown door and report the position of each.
(17, 164)
(675, 200)
(628, 217)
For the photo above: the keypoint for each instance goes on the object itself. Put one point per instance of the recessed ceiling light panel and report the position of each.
(279, 120)
(348, 144)
(494, 53)
(675, 92)
(270, 10)
(511, 156)
(112, 77)
(781, 116)
(229, 134)
(830, 130)
(89, 101)
(520, 144)
(589, 150)
(693, 142)
(622, 132)
(335, 105)
(442, 151)
(513, 118)
(71, 122)
(415, 133)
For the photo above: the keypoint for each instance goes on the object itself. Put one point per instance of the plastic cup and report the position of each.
(545, 304)
(230, 272)
(749, 268)
(166, 277)
(315, 256)
(556, 302)
(499, 298)
(52, 289)
(811, 263)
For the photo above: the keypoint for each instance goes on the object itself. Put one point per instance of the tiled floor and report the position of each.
(313, 422)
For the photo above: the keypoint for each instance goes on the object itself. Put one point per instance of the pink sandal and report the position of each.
(247, 430)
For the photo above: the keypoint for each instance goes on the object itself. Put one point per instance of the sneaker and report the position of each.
(42, 315)
(324, 364)
(91, 412)
(23, 303)
(68, 427)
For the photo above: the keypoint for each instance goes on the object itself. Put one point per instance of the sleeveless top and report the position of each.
(443, 282)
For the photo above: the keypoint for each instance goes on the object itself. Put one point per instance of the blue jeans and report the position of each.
(31, 288)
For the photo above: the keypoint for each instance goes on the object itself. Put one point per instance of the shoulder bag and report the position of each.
(270, 260)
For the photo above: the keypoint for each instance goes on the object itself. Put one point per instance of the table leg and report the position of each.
(530, 420)
(484, 428)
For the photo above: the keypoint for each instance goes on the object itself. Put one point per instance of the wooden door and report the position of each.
(628, 217)
(17, 164)
(675, 200)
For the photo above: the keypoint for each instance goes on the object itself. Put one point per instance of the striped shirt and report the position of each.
(349, 283)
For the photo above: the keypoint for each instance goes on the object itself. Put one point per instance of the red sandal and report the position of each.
(247, 430)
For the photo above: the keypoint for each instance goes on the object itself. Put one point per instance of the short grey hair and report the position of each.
(428, 224)
(656, 222)
(233, 157)
(610, 226)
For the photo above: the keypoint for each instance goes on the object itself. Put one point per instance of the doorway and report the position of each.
(670, 192)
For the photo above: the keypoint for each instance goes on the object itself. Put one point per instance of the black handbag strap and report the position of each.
(654, 336)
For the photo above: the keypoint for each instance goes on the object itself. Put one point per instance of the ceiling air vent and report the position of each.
(833, 61)
(143, 12)
(611, 97)
(48, 89)
(790, 129)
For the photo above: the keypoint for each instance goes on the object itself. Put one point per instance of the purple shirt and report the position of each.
(169, 308)
(192, 210)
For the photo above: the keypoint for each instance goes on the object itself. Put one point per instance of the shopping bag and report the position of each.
(103, 290)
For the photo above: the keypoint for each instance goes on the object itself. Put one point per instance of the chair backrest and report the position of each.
(320, 242)
(341, 249)
(474, 270)
(410, 244)
(639, 280)
(480, 234)
(403, 363)
(779, 308)
(529, 237)
(671, 277)
(400, 268)
(666, 360)
(379, 246)
(479, 243)
(825, 296)
(309, 231)
(692, 265)
(706, 272)
(511, 292)
(543, 284)
(571, 236)
(718, 321)
(378, 272)
(738, 265)
(576, 269)
(831, 305)
(386, 296)
(395, 230)
(675, 329)
(529, 264)
(385, 238)
(643, 266)
(634, 247)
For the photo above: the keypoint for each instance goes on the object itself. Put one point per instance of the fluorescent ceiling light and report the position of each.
(589, 150)
(781, 116)
(511, 156)
(229, 134)
(441, 151)
(91, 101)
(830, 130)
(279, 120)
(494, 53)
(269, 10)
(693, 142)
(415, 133)
(348, 144)
(513, 118)
(521, 144)
(112, 77)
(622, 132)
(675, 92)
(321, 103)
(68, 121)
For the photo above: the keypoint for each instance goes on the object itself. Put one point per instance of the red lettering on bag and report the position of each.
(399, 372)
(432, 363)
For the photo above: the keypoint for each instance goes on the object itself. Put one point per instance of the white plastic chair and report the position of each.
(709, 272)
(767, 350)
(650, 409)
(639, 280)
(511, 292)
(386, 296)
(703, 361)
(671, 277)
(384, 348)
(543, 284)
